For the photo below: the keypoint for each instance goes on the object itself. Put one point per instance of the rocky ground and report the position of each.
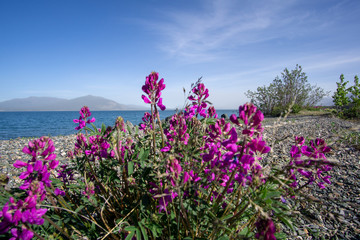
(332, 213)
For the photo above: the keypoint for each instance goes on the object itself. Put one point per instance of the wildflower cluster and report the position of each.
(310, 162)
(199, 177)
(153, 89)
(83, 119)
(198, 99)
(19, 215)
(146, 121)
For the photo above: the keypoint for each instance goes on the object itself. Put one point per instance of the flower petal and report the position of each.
(19, 164)
(146, 100)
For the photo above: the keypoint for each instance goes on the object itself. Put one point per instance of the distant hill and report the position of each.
(95, 103)
(326, 101)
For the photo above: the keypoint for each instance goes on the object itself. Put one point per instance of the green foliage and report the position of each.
(315, 108)
(266, 98)
(296, 108)
(355, 92)
(340, 97)
(347, 100)
(291, 88)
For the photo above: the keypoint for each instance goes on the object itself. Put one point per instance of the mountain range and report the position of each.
(94, 103)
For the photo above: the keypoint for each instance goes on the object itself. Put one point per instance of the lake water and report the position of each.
(36, 124)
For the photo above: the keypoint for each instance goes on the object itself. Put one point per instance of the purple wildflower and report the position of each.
(36, 177)
(200, 94)
(266, 229)
(83, 119)
(315, 158)
(153, 89)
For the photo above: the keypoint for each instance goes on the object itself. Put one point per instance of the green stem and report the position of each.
(153, 129)
(161, 129)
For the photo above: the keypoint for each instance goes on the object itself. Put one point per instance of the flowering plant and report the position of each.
(196, 176)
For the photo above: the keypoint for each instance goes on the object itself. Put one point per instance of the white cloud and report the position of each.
(334, 61)
(223, 25)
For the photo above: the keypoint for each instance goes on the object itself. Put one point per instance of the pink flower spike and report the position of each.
(24, 175)
(27, 150)
(299, 140)
(38, 165)
(90, 120)
(161, 106)
(186, 177)
(57, 192)
(23, 234)
(146, 100)
(51, 157)
(326, 179)
(191, 98)
(166, 148)
(19, 164)
(53, 164)
(26, 185)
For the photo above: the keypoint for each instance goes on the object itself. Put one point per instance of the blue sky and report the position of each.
(69, 49)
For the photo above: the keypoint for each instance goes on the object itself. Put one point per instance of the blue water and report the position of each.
(36, 124)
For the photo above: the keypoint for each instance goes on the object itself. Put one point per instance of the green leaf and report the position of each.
(141, 153)
(79, 209)
(271, 194)
(244, 231)
(103, 128)
(138, 234)
(130, 228)
(280, 235)
(128, 128)
(95, 128)
(212, 215)
(211, 121)
(126, 155)
(286, 221)
(56, 217)
(129, 237)
(276, 210)
(130, 167)
(227, 217)
(143, 231)
(282, 205)
(90, 130)
(136, 129)
(223, 238)
(73, 186)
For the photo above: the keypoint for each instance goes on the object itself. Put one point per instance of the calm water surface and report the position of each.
(36, 124)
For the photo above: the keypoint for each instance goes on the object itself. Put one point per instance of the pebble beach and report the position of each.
(332, 213)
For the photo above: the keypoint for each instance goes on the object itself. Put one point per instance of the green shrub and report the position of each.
(347, 100)
(291, 88)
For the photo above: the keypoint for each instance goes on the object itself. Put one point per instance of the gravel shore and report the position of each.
(334, 212)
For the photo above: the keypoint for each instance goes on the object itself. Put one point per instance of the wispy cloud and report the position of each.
(335, 61)
(314, 63)
(222, 25)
